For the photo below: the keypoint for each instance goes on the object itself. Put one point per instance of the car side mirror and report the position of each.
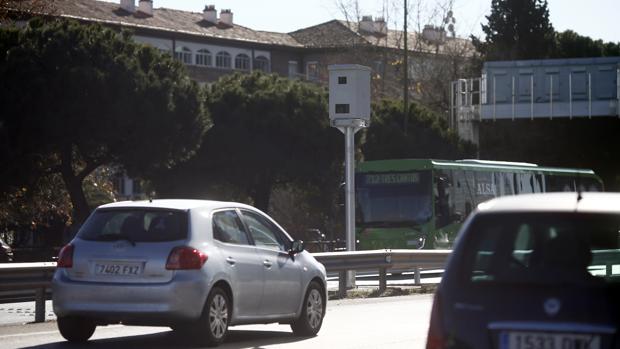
(297, 247)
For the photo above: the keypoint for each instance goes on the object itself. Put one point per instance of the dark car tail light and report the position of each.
(65, 257)
(184, 257)
(436, 337)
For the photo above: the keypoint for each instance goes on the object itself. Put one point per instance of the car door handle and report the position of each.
(230, 261)
(267, 263)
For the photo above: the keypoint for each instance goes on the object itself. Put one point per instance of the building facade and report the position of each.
(211, 45)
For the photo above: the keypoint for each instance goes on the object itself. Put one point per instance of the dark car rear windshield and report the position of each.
(543, 248)
(135, 225)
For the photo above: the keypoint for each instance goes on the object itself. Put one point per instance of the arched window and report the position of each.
(261, 63)
(242, 62)
(184, 55)
(203, 57)
(222, 60)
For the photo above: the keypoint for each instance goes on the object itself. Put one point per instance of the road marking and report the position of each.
(28, 334)
(47, 332)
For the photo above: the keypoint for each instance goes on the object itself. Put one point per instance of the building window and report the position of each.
(203, 57)
(242, 62)
(261, 63)
(184, 55)
(312, 71)
(293, 69)
(164, 51)
(222, 60)
(378, 67)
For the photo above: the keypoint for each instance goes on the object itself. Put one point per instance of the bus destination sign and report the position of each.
(392, 178)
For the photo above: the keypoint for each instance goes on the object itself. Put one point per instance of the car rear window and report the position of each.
(543, 248)
(135, 225)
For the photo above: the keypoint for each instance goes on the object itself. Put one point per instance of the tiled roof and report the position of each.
(166, 20)
(334, 33)
(337, 33)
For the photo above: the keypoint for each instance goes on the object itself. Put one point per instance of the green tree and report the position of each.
(268, 131)
(428, 135)
(516, 29)
(76, 97)
(572, 45)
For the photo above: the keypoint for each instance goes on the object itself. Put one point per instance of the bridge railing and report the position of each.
(15, 278)
(381, 261)
(18, 280)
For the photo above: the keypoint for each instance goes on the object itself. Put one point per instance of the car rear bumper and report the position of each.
(182, 299)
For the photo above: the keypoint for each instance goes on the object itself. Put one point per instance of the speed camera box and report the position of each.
(349, 92)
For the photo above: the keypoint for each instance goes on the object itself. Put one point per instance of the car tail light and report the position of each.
(184, 257)
(65, 257)
(436, 338)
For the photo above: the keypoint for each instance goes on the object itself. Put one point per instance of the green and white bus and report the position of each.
(421, 203)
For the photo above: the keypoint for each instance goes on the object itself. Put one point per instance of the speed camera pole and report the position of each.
(349, 111)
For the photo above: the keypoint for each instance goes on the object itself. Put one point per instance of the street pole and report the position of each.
(349, 154)
(349, 163)
(349, 111)
(406, 74)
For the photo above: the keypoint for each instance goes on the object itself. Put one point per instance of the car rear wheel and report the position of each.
(215, 318)
(76, 329)
(312, 312)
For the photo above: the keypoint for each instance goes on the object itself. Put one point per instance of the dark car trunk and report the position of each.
(488, 313)
(534, 280)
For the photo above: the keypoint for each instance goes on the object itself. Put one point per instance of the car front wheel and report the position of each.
(311, 318)
(76, 329)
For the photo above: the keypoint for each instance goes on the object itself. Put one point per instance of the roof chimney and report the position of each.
(226, 17)
(380, 26)
(128, 5)
(366, 25)
(210, 14)
(146, 7)
(433, 34)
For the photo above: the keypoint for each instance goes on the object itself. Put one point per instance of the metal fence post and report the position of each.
(416, 275)
(39, 305)
(382, 279)
(342, 284)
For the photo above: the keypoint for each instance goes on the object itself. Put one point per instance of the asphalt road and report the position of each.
(391, 322)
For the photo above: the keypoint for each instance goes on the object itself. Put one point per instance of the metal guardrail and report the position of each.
(18, 277)
(15, 278)
(382, 261)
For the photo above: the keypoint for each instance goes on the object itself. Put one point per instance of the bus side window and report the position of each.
(441, 201)
(444, 196)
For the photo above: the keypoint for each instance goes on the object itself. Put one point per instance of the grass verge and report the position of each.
(373, 292)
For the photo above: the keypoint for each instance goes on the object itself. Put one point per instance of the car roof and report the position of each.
(554, 202)
(176, 204)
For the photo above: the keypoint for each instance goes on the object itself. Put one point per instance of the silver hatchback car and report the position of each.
(195, 266)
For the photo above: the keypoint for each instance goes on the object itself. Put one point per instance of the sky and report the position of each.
(594, 18)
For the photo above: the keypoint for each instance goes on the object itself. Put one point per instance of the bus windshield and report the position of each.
(388, 198)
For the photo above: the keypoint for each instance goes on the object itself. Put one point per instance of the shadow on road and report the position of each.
(236, 339)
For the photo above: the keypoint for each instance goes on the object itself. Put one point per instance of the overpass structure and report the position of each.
(534, 89)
